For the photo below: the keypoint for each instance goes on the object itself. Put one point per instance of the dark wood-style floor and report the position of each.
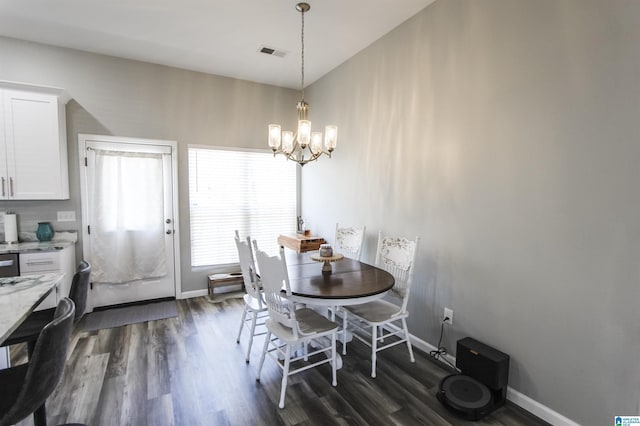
(189, 370)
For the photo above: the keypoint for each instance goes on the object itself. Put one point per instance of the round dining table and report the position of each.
(350, 282)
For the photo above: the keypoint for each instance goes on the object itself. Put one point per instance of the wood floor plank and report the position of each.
(110, 403)
(158, 382)
(86, 388)
(134, 401)
(160, 411)
(189, 370)
(116, 341)
(58, 402)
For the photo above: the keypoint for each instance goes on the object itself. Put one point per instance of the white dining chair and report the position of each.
(255, 309)
(288, 328)
(372, 319)
(348, 241)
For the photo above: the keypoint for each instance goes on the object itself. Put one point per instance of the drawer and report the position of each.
(33, 263)
(9, 265)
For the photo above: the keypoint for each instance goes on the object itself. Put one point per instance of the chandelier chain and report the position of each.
(302, 56)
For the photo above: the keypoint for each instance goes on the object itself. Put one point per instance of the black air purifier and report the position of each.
(482, 385)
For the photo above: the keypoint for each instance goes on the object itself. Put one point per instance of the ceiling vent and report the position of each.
(272, 51)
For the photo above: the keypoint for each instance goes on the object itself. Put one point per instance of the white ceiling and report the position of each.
(212, 36)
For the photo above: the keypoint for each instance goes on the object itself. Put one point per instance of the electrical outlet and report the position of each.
(448, 313)
(69, 216)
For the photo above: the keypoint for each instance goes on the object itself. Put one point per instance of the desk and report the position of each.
(351, 282)
(300, 243)
(18, 297)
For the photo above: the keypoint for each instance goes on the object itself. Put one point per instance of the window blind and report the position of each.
(244, 190)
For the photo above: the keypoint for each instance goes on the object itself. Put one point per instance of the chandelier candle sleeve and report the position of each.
(304, 133)
(316, 142)
(274, 136)
(287, 141)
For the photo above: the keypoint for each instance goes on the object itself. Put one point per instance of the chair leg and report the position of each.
(374, 350)
(334, 360)
(244, 316)
(267, 339)
(254, 319)
(406, 336)
(285, 375)
(40, 416)
(344, 332)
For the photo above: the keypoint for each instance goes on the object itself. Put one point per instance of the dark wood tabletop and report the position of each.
(350, 279)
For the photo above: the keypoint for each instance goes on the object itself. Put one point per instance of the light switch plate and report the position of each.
(68, 216)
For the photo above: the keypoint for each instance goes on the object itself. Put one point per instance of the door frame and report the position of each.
(173, 145)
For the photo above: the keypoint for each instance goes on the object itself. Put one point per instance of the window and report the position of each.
(245, 190)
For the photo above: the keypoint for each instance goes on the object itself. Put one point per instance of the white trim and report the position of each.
(428, 347)
(537, 409)
(193, 293)
(229, 148)
(518, 398)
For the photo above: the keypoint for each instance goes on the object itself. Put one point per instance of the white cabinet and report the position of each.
(33, 145)
(42, 262)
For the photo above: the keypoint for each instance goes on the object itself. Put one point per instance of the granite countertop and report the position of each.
(18, 297)
(34, 246)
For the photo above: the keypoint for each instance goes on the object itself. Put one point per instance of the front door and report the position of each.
(128, 209)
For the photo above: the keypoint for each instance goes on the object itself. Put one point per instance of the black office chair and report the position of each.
(24, 389)
(30, 328)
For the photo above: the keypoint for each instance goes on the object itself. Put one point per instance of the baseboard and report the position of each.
(537, 409)
(193, 293)
(428, 347)
(205, 292)
(518, 398)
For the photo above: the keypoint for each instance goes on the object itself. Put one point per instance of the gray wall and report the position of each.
(505, 134)
(502, 132)
(120, 97)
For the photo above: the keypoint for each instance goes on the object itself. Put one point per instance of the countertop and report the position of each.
(18, 297)
(34, 246)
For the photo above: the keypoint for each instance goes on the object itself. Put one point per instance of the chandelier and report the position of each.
(303, 146)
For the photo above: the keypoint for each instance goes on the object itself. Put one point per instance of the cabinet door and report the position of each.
(4, 192)
(36, 146)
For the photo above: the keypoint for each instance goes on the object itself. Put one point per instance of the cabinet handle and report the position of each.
(41, 262)
(3, 194)
(11, 187)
